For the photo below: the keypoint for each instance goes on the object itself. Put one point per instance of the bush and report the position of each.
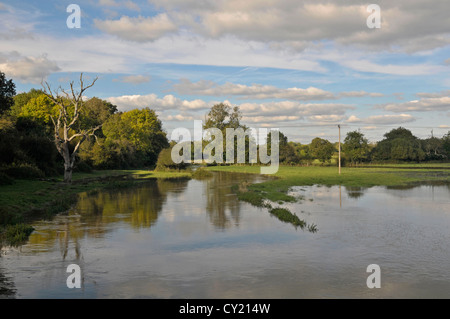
(82, 167)
(5, 179)
(201, 173)
(165, 162)
(23, 171)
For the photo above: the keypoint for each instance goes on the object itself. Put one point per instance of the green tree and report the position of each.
(40, 109)
(434, 148)
(223, 116)
(446, 145)
(321, 149)
(140, 129)
(7, 92)
(287, 154)
(399, 145)
(356, 147)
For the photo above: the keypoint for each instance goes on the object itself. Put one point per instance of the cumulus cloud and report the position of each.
(27, 68)
(253, 112)
(168, 102)
(134, 79)
(258, 91)
(255, 91)
(295, 109)
(139, 29)
(385, 119)
(423, 105)
(406, 25)
(434, 95)
(127, 4)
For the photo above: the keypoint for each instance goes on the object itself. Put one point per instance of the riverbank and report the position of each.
(276, 189)
(27, 200)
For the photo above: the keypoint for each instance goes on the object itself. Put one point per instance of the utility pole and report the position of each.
(339, 126)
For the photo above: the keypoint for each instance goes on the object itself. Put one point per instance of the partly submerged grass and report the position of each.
(275, 189)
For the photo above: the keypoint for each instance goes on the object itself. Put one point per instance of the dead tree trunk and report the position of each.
(65, 132)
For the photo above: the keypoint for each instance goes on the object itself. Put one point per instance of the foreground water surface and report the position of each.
(194, 239)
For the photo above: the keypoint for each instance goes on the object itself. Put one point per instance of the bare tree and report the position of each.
(65, 131)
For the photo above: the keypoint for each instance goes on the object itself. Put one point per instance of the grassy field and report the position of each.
(275, 189)
(28, 200)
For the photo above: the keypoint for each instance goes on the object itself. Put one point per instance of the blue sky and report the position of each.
(301, 66)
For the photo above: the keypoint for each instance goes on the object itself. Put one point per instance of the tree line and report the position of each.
(45, 132)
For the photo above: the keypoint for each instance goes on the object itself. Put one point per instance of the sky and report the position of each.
(301, 66)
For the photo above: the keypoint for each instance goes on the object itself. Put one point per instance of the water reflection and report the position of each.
(355, 192)
(221, 205)
(7, 288)
(194, 239)
(98, 213)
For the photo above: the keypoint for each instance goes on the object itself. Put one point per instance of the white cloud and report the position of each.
(258, 91)
(168, 102)
(112, 3)
(255, 91)
(434, 95)
(360, 94)
(369, 66)
(406, 25)
(140, 29)
(423, 105)
(27, 68)
(332, 118)
(135, 79)
(385, 119)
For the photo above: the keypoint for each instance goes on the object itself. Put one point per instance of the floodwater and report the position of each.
(194, 239)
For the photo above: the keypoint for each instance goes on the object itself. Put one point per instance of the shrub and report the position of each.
(165, 162)
(5, 179)
(82, 167)
(23, 171)
(201, 173)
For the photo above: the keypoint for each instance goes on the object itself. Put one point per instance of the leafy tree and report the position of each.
(286, 153)
(223, 116)
(7, 92)
(22, 99)
(399, 145)
(356, 147)
(321, 149)
(40, 109)
(434, 148)
(140, 130)
(446, 144)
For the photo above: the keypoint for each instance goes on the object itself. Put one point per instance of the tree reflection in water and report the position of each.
(95, 214)
(7, 288)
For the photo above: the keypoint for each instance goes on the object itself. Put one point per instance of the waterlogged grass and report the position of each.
(286, 216)
(275, 189)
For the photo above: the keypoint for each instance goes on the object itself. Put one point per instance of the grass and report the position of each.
(275, 188)
(27, 200)
(286, 216)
